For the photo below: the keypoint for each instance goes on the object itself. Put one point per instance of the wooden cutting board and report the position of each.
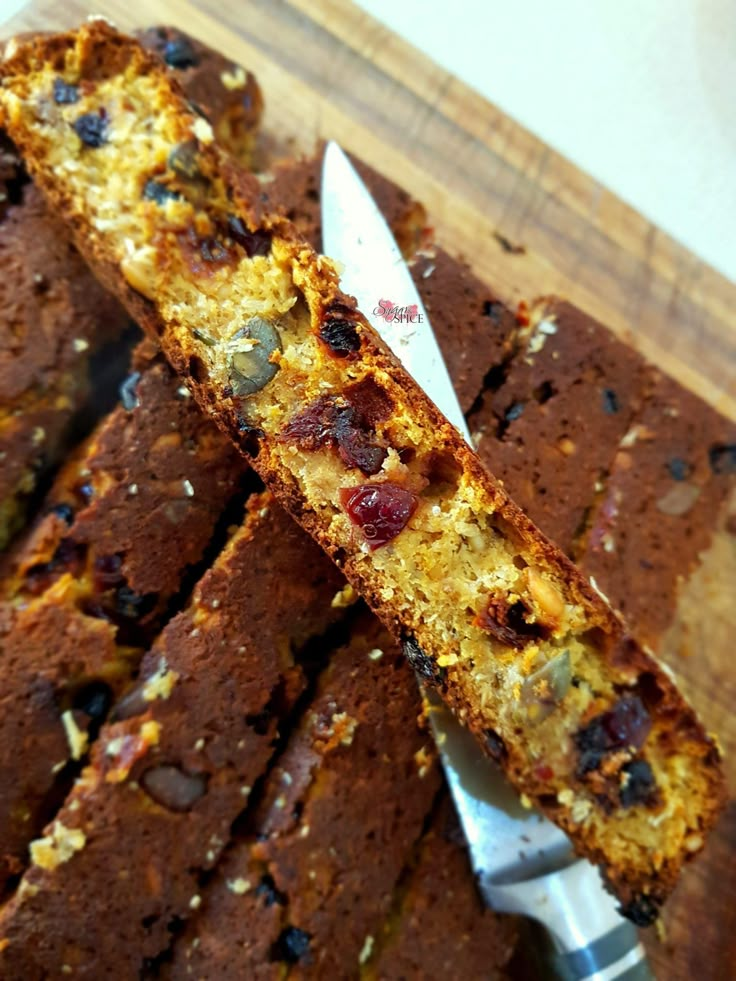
(528, 222)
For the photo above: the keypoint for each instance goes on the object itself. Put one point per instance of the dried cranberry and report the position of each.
(254, 243)
(159, 193)
(640, 786)
(341, 337)
(331, 422)
(722, 458)
(65, 94)
(610, 401)
(179, 53)
(381, 511)
(173, 788)
(91, 128)
(107, 572)
(291, 945)
(625, 725)
(678, 468)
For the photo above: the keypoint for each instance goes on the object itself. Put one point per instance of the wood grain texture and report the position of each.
(329, 70)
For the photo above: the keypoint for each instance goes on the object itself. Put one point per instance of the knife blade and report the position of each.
(523, 862)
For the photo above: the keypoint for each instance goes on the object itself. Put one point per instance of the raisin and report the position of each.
(494, 310)
(381, 511)
(422, 664)
(68, 557)
(130, 605)
(291, 945)
(640, 787)
(267, 889)
(641, 910)
(128, 394)
(159, 193)
(513, 411)
(495, 746)
(91, 128)
(610, 401)
(94, 699)
(65, 94)
(63, 511)
(678, 468)
(179, 53)
(506, 622)
(722, 457)
(107, 572)
(173, 788)
(183, 160)
(341, 337)
(254, 243)
(625, 725)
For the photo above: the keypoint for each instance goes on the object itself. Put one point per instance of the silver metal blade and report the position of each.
(507, 842)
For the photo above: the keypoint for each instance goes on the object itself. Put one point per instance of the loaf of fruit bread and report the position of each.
(54, 316)
(618, 464)
(311, 884)
(172, 770)
(125, 521)
(525, 652)
(476, 332)
(439, 926)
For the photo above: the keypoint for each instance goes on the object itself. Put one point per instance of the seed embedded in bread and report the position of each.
(430, 538)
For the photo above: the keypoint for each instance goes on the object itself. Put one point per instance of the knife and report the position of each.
(524, 864)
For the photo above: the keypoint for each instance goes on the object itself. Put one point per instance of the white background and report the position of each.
(639, 93)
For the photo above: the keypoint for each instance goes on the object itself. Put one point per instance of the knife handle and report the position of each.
(587, 938)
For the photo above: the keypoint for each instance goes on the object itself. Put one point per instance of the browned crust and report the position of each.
(105, 52)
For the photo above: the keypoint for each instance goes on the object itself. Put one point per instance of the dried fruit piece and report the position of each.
(160, 193)
(381, 511)
(65, 94)
(722, 457)
(507, 622)
(252, 369)
(543, 691)
(341, 337)
(172, 788)
(254, 243)
(292, 944)
(184, 160)
(625, 726)
(179, 53)
(332, 421)
(639, 785)
(91, 128)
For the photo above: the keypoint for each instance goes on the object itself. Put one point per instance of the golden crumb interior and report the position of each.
(498, 620)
